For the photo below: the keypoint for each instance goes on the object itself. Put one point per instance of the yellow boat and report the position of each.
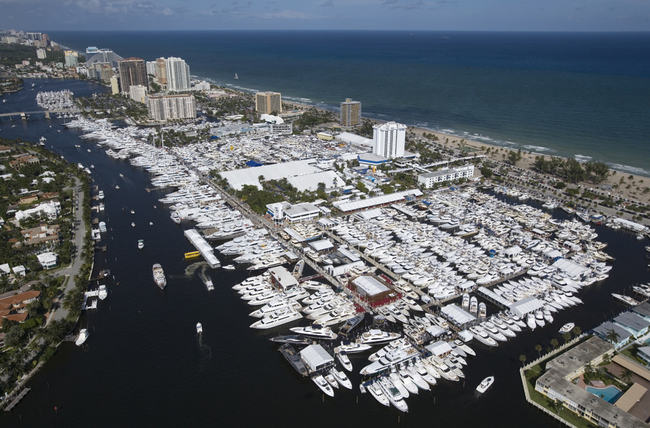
(192, 254)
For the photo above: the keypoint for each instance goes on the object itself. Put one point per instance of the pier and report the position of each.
(203, 247)
(17, 399)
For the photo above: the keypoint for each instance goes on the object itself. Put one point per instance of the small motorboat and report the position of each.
(83, 335)
(229, 267)
(140, 244)
(199, 328)
(567, 328)
(133, 224)
(485, 384)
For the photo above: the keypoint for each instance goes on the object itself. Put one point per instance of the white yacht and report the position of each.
(341, 378)
(199, 328)
(140, 244)
(375, 336)
(323, 385)
(103, 293)
(377, 392)
(567, 328)
(393, 394)
(315, 330)
(485, 384)
(344, 360)
(83, 335)
(280, 317)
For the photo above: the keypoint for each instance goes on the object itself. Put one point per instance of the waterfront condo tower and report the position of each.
(268, 102)
(389, 139)
(133, 71)
(350, 113)
(178, 74)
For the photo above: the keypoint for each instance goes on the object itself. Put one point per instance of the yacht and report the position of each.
(341, 378)
(199, 328)
(352, 347)
(229, 267)
(324, 386)
(316, 330)
(344, 360)
(393, 394)
(83, 335)
(279, 317)
(530, 321)
(159, 276)
(140, 244)
(375, 336)
(482, 336)
(103, 293)
(377, 392)
(567, 328)
(485, 384)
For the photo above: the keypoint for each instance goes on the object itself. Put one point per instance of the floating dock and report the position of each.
(203, 247)
(192, 254)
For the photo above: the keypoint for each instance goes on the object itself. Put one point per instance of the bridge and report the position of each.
(46, 113)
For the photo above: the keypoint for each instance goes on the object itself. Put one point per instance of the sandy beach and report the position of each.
(632, 187)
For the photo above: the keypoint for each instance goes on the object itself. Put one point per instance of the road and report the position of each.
(79, 232)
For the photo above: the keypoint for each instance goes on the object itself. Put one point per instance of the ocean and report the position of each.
(143, 364)
(582, 95)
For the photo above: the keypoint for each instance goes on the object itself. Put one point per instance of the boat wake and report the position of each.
(205, 353)
(194, 267)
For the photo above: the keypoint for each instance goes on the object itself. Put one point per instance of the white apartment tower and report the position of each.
(389, 139)
(178, 74)
(170, 107)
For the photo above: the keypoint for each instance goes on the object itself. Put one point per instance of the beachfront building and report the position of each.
(268, 102)
(161, 71)
(151, 67)
(132, 72)
(171, 107)
(350, 113)
(430, 179)
(94, 55)
(557, 383)
(389, 139)
(178, 74)
(201, 86)
(71, 58)
(138, 93)
(115, 85)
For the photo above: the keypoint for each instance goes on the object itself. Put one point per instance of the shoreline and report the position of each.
(497, 154)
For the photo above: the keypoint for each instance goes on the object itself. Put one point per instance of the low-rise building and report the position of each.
(429, 179)
(14, 308)
(301, 212)
(47, 260)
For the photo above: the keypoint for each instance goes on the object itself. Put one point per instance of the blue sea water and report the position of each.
(583, 95)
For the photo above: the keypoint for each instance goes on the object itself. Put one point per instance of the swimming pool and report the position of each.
(609, 394)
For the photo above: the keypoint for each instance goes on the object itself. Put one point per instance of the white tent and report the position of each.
(458, 315)
(525, 306)
(439, 348)
(316, 357)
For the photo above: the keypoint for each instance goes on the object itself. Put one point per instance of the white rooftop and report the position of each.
(331, 179)
(376, 201)
(370, 285)
(249, 176)
(457, 315)
(525, 306)
(315, 356)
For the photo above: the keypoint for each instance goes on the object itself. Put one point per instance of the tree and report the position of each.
(627, 375)
(553, 405)
(576, 331)
(538, 348)
(567, 337)
(612, 336)
(554, 343)
(522, 358)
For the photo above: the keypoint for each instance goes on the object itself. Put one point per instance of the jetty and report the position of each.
(17, 399)
(203, 247)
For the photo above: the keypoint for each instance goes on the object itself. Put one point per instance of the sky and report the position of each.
(447, 15)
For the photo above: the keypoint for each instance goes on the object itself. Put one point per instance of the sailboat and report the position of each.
(236, 77)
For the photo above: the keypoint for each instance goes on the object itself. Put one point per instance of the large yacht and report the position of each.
(159, 275)
(316, 330)
(375, 336)
(279, 317)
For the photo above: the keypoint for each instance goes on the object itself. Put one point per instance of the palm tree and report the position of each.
(522, 358)
(553, 405)
(627, 375)
(576, 331)
(613, 336)
(554, 343)
(538, 348)
(567, 337)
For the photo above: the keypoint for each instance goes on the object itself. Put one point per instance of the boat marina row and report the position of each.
(411, 283)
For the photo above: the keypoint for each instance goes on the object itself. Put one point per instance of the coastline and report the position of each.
(497, 154)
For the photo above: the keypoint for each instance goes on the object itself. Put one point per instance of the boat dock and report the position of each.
(203, 247)
(17, 399)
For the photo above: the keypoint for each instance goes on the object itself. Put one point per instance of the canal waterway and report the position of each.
(143, 364)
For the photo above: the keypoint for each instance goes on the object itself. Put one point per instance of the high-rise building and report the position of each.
(151, 67)
(115, 89)
(94, 55)
(41, 53)
(178, 74)
(268, 102)
(102, 71)
(389, 140)
(138, 93)
(71, 58)
(161, 71)
(350, 113)
(132, 72)
(170, 107)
